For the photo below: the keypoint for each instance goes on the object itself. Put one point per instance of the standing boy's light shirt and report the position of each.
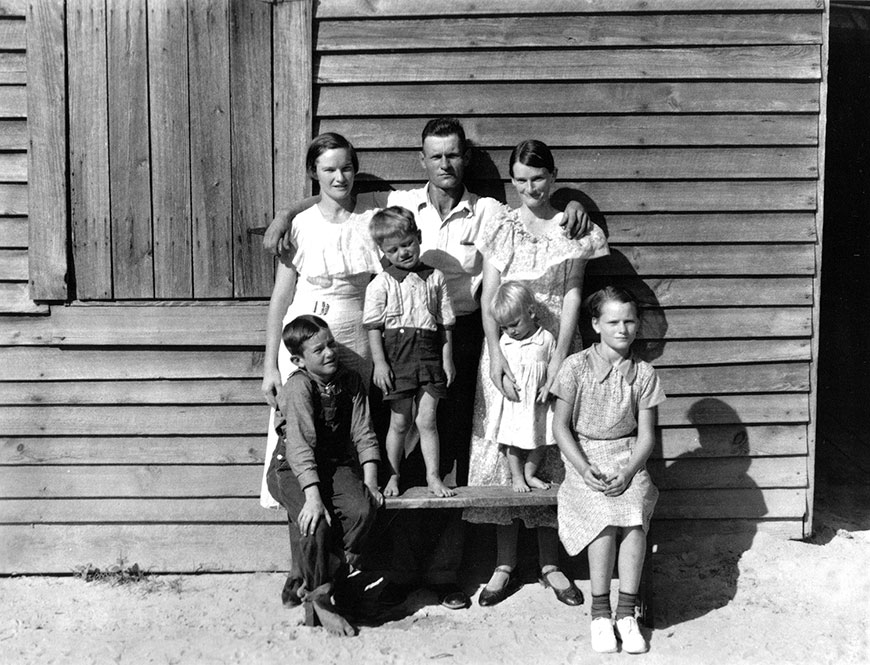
(413, 299)
(448, 244)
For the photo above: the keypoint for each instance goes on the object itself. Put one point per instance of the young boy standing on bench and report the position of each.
(324, 468)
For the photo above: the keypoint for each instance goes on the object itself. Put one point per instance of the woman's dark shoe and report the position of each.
(571, 596)
(488, 597)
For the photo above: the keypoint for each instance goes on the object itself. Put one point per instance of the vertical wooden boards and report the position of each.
(292, 72)
(251, 143)
(88, 148)
(211, 196)
(46, 124)
(129, 152)
(170, 147)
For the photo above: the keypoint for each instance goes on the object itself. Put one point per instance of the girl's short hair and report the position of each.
(300, 330)
(532, 152)
(511, 300)
(392, 222)
(328, 141)
(595, 302)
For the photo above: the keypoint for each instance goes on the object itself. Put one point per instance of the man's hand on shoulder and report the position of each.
(575, 220)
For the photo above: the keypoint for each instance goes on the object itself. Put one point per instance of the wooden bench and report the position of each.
(416, 498)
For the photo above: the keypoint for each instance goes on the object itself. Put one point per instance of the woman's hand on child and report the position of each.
(501, 375)
(271, 385)
(376, 494)
(594, 479)
(382, 377)
(310, 515)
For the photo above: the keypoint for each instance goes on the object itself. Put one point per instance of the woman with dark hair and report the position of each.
(330, 262)
(526, 245)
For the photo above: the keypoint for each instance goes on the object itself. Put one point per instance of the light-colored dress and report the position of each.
(606, 401)
(543, 263)
(526, 424)
(334, 264)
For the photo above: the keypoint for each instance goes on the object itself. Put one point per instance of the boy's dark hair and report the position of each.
(300, 330)
(328, 141)
(445, 126)
(532, 152)
(392, 222)
(595, 302)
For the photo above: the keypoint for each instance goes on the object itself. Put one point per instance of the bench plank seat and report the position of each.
(476, 497)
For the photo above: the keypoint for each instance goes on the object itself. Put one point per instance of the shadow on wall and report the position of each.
(692, 578)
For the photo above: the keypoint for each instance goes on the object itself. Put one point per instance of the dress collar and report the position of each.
(601, 367)
(536, 337)
(399, 274)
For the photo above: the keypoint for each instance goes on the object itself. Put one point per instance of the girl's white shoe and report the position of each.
(629, 633)
(601, 635)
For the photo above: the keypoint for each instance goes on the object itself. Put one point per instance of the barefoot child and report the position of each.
(409, 317)
(324, 468)
(604, 423)
(523, 427)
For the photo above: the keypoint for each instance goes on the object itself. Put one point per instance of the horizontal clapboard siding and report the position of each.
(690, 129)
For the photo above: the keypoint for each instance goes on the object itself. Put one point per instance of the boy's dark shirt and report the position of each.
(324, 426)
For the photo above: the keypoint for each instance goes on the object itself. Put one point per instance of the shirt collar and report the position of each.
(399, 274)
(601, 367)
(466, 202)
(535, 338)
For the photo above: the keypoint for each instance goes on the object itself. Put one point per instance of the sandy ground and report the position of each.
(715, 602)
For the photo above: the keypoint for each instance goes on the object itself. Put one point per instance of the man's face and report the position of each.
(444, 161)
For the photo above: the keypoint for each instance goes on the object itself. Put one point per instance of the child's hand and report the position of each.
(617, 483)
(450, 371)
(312, 512)
(271, 385)
(376, 494)
(383, 377)
(594, 479)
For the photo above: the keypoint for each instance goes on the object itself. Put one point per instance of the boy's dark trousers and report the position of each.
(351, 507)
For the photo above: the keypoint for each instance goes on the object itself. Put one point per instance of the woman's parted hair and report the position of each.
(328, 141)
(532, 152)
(300, 330)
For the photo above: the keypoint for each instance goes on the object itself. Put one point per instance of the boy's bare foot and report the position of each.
(334, 623)
(392, 487)
(519, 485)
(537, 483)
(438, 488)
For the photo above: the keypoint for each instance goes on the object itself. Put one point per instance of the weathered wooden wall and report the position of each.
(692, 129)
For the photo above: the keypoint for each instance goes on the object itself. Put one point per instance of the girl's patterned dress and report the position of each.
(606, 401)
(542, 263)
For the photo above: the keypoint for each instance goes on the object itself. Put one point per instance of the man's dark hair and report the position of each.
(445, 126)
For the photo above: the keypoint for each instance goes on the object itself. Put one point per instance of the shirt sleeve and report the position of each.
(295, 416)
(375, 308)
(651, 392)
(495, 241)
(361, 432)
(565, 385)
